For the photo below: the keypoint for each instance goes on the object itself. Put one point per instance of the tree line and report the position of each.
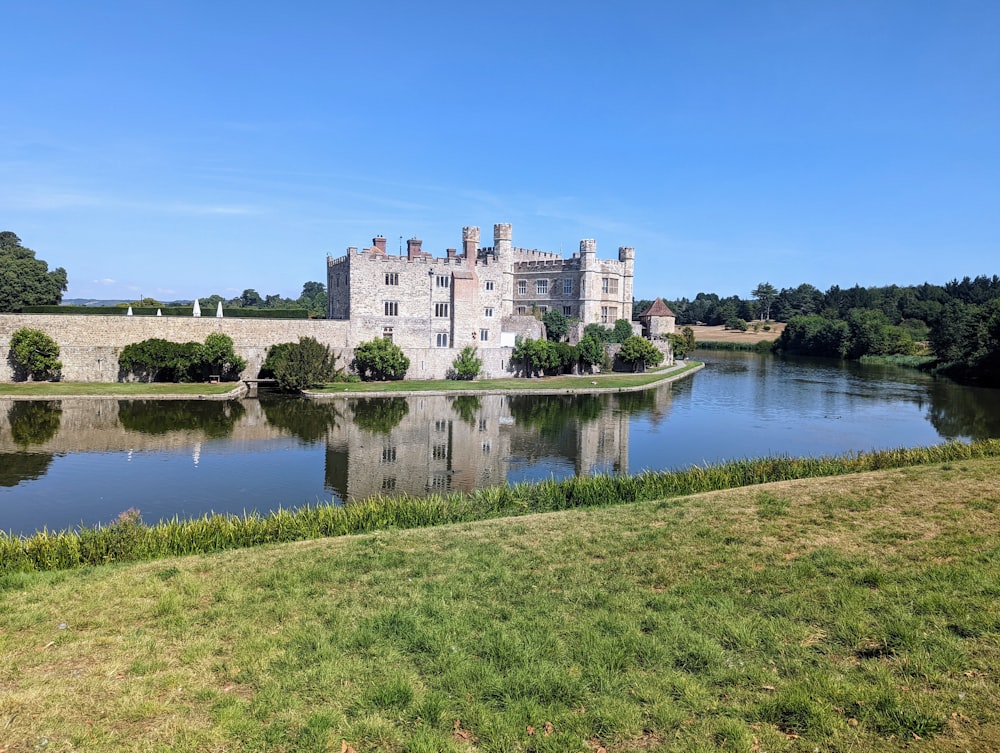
(956, 325)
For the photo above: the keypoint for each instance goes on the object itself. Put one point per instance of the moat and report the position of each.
(83, 461)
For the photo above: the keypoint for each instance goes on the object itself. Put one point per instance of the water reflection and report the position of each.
(213, 418)
(85, 460)
(34, 422)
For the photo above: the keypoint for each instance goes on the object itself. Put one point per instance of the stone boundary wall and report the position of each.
(89, 344)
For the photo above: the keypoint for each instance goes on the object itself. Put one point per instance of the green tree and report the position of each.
(35, 355)
(466, 365)
(591, 351)
(556, 325)
(622, 331)
(380, 360)
(597, 332)
(640, 353)
(298, 366)
(25, 280)
(535, 355)
(220, 358)
(765, 293)
(313, 299)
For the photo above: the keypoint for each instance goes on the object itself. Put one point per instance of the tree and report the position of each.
(535, 355)
(591, 351)
(298, 366)
(313, 299)
(380, 360)
(219, 356)
(640, 352)
(25, 280)
(35, 354)
(466, 365)
(622, 331)
(250, 299)
(765, 293)
(556, 325)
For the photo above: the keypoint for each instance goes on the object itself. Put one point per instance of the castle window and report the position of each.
(440, 452)
(484, 335)
(604, 314)
(392, 278)
(392, 308)
(388, 454)
(567, 287)
(440, 425)
(542, 287)
(442, 339)
(609, 284)
(443, 281)
(544, 309)
(441, 309)
(488, 312)
(522, 309)
(387, 333)
(489, 284)
(567, 310)
(522, 287)
(388, 483)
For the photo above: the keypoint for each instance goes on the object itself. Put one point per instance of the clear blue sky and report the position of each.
(180, 148)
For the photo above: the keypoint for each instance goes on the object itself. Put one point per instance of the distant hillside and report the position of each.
(114, 302)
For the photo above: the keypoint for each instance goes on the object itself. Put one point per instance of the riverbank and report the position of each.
(558, 385)
(611, 381)
(844, 613)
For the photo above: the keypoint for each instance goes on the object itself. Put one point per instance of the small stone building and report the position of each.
(658, 320)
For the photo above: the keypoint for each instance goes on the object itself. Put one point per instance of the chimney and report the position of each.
(452, 253)
(379, 243)
(413, 249)
(470, 243)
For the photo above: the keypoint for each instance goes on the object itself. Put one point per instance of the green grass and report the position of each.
(605, 381)
(778, 618)
(112, 389)
(129, 540)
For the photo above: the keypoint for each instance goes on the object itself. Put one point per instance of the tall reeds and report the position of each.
(127, 539)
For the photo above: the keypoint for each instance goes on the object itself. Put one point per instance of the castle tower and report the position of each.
(470, 245)
(626, 256)
(590, 282)
(503, 250)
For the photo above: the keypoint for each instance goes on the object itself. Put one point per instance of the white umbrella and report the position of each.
(218, 310)
(197, 308)
(129, 312)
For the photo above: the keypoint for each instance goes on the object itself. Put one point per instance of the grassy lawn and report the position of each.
(111, 389)
(607, 381)
(855, 613)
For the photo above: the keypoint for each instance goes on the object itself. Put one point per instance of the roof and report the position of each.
(659, 308)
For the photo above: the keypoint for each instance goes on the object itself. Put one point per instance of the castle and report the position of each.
(431, 307)
(481, 296)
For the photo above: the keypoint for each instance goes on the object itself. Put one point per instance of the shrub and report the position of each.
(637, 350)
(298, 366)
(380, 360)
(467, 365)
(219, 357)
(622, 331)
(591, 350)
(556, 325)
(35, 354)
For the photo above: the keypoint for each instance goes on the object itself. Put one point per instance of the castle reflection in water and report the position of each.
(388, 446)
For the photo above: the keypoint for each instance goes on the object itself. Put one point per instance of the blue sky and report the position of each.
(176, 149)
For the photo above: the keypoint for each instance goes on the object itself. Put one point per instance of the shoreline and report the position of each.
(670, 374)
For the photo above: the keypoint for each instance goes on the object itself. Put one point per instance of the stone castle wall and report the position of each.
(89, 344)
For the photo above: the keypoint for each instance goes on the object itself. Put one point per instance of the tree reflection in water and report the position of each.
(23, 466)
(467, 406)
(34, 422)
(309, 420)
(379, 415)
(215, 418)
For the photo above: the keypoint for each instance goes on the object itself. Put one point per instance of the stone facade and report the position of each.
(431, 307)
(474, 296)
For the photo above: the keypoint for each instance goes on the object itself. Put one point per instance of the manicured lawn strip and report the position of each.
(854, 613)
(129, 540)
(112, 389)
(610, 381)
